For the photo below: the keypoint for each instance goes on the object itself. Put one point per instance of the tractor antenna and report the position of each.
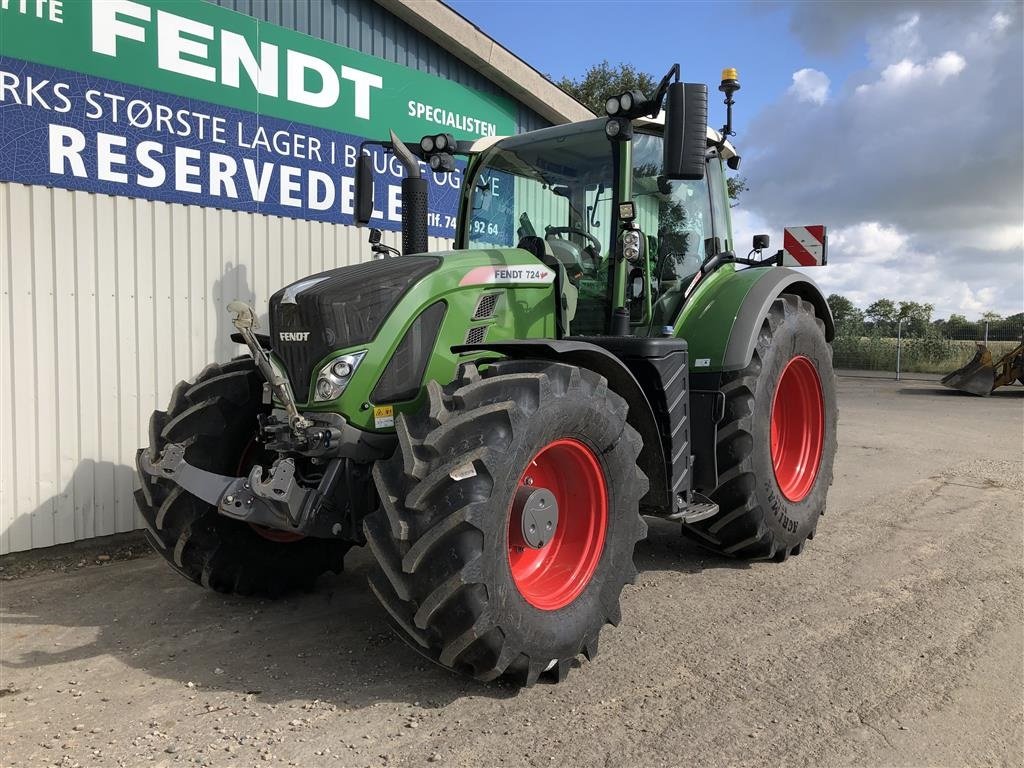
(729, 85)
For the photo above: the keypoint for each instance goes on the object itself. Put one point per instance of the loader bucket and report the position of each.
(977, 377)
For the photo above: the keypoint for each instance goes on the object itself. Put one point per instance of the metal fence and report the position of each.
(914, 349)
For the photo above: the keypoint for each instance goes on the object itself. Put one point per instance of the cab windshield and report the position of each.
(556, 185)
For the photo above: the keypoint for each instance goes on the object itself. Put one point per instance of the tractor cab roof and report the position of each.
(714, 137)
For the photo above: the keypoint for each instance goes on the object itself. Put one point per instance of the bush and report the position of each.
(931, 353)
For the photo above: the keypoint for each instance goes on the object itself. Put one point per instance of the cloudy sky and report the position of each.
(899, 125)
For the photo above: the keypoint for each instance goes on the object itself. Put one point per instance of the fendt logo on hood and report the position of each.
(293, 335)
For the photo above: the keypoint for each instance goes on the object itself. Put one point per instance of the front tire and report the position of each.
(455, 573)
(777, 441)
(215, 417)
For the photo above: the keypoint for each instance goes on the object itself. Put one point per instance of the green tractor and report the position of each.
(496, 421)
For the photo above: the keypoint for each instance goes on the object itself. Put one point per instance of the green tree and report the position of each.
(916, 317)
(955, 319)
(736, 185)
(991, 316)
(844, 311)
(882, 314)
(602, 81)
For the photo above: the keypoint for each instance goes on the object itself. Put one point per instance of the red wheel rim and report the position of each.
(553, 576)
(250, 458)
(798, 428)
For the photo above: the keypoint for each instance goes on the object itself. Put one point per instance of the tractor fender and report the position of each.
(739, 301)
(620, 380)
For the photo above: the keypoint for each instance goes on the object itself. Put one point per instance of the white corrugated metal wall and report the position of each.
(107, 302)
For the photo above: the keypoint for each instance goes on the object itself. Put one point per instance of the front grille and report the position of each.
(403, 377)
(340, 308)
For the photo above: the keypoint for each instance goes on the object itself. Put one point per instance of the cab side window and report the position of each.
(720, 203)
(677, 213)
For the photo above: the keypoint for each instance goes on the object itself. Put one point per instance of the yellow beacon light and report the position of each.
(729, 85)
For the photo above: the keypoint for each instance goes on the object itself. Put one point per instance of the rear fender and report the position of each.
(721, 321)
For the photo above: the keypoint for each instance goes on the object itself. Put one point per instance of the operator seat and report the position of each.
(568, 293)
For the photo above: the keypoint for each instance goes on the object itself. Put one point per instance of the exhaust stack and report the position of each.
(414, 200)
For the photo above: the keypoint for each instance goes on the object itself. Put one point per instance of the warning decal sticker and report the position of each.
(383, 416)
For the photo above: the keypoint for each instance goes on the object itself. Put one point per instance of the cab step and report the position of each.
(701, 508)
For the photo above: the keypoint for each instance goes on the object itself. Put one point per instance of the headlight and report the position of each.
(335, 376)
(631, 238)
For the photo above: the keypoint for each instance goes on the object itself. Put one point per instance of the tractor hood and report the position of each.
(337, 309)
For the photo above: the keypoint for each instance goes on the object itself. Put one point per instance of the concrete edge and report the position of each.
(466, 41)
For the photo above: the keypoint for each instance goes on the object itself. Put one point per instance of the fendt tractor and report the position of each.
(497, 420)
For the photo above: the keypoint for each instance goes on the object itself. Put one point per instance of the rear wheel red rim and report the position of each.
(250, 458)
(798, 428)
(553, 576)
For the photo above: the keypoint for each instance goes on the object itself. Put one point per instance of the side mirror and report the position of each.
(686, 131)
(364, 190)
(761, 242)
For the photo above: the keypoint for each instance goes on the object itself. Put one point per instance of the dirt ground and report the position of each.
(896, 639)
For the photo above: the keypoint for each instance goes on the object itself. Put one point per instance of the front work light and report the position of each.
(619, 129)
(437, 150)
(442, 162)
(631, 103)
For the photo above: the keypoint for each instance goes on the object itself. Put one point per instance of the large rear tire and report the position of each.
(777, 441)
(455, 573)
(216, 419)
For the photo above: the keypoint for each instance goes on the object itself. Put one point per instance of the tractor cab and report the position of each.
(558, 193)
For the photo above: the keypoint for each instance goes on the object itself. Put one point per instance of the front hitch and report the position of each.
(276, 501)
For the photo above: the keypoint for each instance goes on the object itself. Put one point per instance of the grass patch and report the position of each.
(931, 354)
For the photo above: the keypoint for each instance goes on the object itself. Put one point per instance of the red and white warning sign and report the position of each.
(804, 246)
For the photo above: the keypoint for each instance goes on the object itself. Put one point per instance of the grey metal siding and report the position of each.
(105, 304)
(364, 26)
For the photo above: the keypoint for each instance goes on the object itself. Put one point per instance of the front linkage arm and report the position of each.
(276, 501)
(245, 321)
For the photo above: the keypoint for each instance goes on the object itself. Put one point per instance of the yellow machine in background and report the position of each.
(981, 376)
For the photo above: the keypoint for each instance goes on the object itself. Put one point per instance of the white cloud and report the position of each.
(906, 72)
(869, 261)
(1004, 238)
(1000, 22)
(810, 85)
(914, 164)
(899, 40)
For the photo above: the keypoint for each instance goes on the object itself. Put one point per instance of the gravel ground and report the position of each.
(895, 639)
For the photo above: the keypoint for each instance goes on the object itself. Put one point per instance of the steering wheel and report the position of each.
(548, 231)
(593, 248)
